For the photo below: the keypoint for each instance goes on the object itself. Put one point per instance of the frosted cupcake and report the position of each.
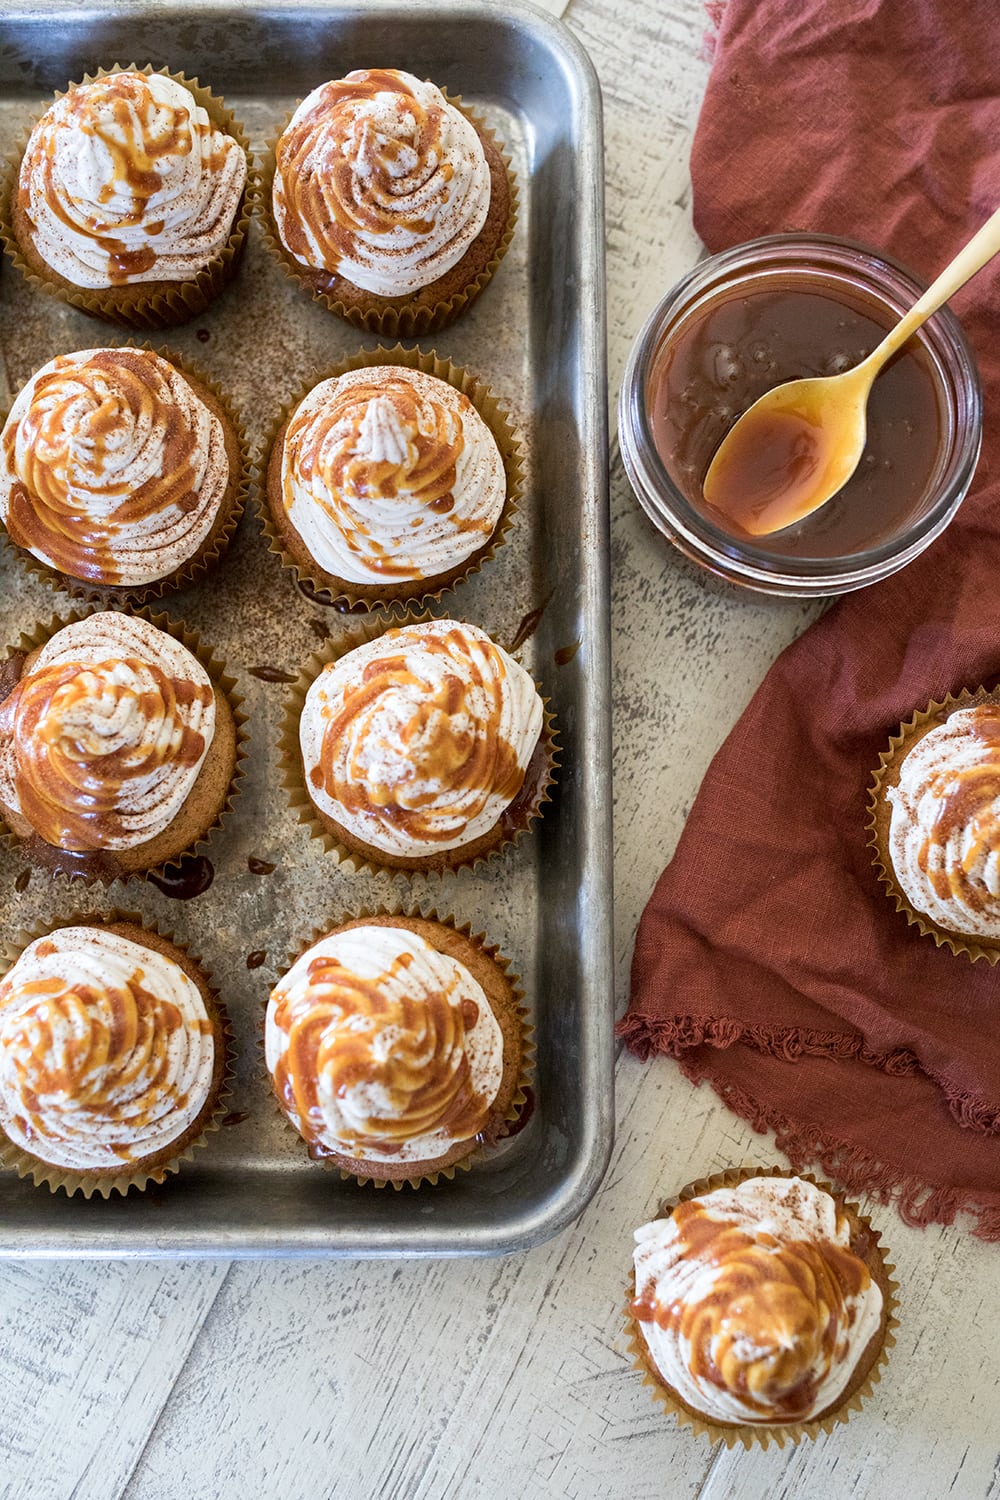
(935, 822)
(388, 201)
(119, 473)
(387, 484)
(128, 200)
(423, 749)
(112, 1057)
(118, 747)
(762, 1307)
(394, 1046)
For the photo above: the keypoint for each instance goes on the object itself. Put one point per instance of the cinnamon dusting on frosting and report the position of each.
(381, 1047)
(753, 1302)
(102, 740)
(126, 179)
(944, 835)
(112, 469)
(390, 474)
(379, 179)
(419, 740)
(106, 1050)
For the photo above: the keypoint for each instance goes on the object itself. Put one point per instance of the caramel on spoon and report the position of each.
(798, 444)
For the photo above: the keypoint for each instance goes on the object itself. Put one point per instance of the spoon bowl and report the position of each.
(798, 444)
(794, 448)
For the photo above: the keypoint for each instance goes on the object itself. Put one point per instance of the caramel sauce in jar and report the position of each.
(754, 317)
(737, 347)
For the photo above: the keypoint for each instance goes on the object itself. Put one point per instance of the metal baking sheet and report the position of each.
(537, 336)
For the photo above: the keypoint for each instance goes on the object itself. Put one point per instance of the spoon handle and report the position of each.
(970, 259)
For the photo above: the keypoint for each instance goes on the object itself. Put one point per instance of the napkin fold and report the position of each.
(769, 959)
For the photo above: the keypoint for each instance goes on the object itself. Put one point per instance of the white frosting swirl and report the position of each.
(763, 1322)
(944, 830)
(106, 1050)
(390, 474)
(417, 741)
(102, 741)
(127, 180)
(111, 468)
(371, 1055)
(380, 180)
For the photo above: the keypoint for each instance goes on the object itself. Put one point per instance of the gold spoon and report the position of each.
(798, 444)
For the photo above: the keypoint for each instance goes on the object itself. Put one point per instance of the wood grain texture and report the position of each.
(89, 1355)
(442, 1381)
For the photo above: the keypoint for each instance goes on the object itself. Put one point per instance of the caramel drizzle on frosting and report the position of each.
(330, 205)
(85, 736)
(142, 140)
(773, 1322)
(380, 440)
(103, 452)
(96, 1062)
(449, 729)
(422, 1083)
(968, 809)
(380, 159)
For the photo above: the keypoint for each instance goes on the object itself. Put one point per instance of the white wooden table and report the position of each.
(301, 1381)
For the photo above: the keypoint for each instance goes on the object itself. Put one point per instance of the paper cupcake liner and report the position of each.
(748, 1434)
(173, 302)
(353, 913)
(539, 782)
(45, 1174)
(211, 552)
(890, 761)
(396, 598)
(103, 871)
(404, 322)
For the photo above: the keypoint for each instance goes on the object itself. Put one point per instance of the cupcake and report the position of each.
(119, 473)
(386, 483)
(935, 822)
(392, 204)
(129, 197)
(118, 747)
(394, 1046)
(113, 1052)
(422, 749)
(762, 1307)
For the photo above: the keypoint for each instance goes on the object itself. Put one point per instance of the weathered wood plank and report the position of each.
(90, 1355)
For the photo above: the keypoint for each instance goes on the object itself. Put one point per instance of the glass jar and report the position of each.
(742, 291)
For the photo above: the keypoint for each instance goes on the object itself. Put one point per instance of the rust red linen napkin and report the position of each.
(769, 960)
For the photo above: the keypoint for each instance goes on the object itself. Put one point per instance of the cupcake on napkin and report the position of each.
(935, 822)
